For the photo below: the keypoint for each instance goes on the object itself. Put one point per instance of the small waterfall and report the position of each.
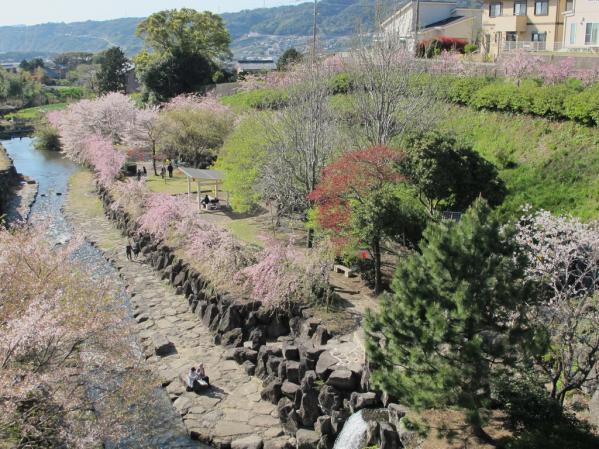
(353, 435)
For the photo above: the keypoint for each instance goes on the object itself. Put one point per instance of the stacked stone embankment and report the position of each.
(9, 179)
(292, 352)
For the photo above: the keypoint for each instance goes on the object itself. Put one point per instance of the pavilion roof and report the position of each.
(203, 174)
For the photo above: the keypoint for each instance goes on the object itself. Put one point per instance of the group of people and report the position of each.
(141, 172)
(132, 249)
(206, 201)
(167, 166)
(197, 379)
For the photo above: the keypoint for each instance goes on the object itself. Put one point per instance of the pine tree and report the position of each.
(457, 312)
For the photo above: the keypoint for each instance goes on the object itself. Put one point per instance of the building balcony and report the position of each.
(509, 23)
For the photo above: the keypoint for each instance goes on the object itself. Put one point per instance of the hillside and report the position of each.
(258, 32)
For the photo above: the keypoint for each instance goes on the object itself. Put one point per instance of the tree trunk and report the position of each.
(376, 252)
(310, 238)
(154, 158)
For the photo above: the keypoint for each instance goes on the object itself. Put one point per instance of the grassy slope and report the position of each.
(36, 112)
(555, 164)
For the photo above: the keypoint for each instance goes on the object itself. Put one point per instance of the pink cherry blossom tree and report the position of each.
(564, 260)
(520, 64)
(144, 132)
(63, 332)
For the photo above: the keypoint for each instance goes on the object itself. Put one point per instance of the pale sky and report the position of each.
(29, 12)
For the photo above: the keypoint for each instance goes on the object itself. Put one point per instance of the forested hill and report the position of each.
(266, 31)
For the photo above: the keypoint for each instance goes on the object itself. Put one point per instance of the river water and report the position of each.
(52, 172)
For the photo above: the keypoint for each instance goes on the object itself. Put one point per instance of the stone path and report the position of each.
(232, 409)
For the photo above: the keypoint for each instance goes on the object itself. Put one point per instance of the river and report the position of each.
(52, 173)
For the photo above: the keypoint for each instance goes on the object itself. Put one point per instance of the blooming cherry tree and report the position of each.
(564, 259)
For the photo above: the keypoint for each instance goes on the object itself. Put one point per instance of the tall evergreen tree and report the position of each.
(112, 76)
(457, 312)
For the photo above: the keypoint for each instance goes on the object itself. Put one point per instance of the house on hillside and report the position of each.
(435, 18)
(581, 25)
(533, 25)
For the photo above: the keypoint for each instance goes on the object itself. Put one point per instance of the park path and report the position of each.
(233, 408)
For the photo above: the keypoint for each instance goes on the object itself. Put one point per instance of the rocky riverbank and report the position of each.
(17, 192)
(280, 379)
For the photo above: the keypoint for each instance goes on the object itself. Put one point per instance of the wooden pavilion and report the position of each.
(210, 180)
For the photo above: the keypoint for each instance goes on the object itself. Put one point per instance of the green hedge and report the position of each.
(563, 101)
(258, 99)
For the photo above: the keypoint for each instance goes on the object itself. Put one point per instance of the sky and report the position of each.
(30, 12)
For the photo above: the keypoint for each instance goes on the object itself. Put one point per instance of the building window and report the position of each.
(541, 7)
(591, 36)
(511, 36)
(569, 5)
(519, 7)
(495, 8)
(572, 33)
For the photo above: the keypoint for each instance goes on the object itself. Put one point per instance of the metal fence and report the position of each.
(531, 46)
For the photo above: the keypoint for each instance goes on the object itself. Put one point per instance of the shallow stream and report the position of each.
(52, 172)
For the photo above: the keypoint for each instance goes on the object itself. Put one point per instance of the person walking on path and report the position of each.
(170, 170)
(129, 250)
(145, 172)
(162, 172)
(138, 174)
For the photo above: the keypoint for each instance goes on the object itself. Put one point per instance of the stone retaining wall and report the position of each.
(9, 179)
(314, 394)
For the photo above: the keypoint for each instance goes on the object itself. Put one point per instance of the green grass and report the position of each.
(550, 165)
(82, 197)
(36, 112)
(173, 186)
(246, 229)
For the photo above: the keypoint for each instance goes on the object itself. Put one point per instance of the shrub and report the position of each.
(502, 97)
(584, 106)
(258, 99)
(46, 138)
(548, 101)
(462, 89)
(434, 47)
(470, 48)
(341, 83)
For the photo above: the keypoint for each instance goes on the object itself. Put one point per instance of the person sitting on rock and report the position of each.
(192, 379)
(202, 374)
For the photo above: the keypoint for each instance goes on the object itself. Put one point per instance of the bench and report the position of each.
(343, 269)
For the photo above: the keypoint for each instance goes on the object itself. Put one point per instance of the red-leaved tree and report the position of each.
(357, 201)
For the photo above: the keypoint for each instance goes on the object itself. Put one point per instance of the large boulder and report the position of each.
(323, 425)
(272, 391)
(343, 379)
(326, 365)
(292, 371)
(290, 420)
(232, 339)
(162, 345)
(309, 410)
(257, 338)
(321, 336)
(277, 327)
(309, 355)
(230, 320)
(358, 401)
(396, 412)
(249, 367)
(306, 439)
(388, 437)
(279, 443)
(180, 278)
(289, 389)
(338, 418)
(330, 399)
(251, 442)
(272, 365)
(326, 442)
(210, 315)
(290, 352)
